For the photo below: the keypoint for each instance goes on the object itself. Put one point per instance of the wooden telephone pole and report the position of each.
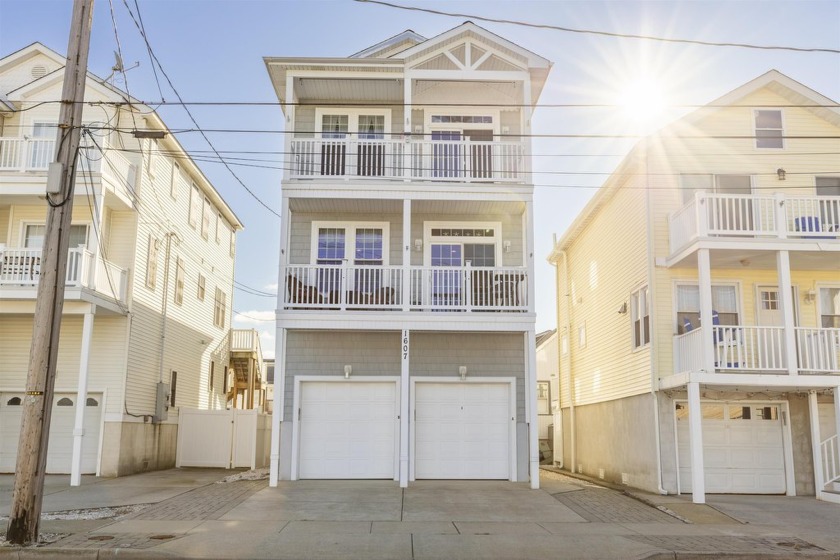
(25, 513)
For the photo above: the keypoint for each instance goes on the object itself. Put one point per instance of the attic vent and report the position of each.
(39, 71)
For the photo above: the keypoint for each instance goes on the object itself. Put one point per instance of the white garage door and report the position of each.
(462, 430)
(743, 449)
(348, 429)
(60, 451)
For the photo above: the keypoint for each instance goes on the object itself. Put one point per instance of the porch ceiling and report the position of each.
(352, 89)
(441, 207)
(766, 260)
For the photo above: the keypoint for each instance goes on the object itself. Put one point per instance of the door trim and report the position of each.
(757, 301)
(510, 381)
(300, 379)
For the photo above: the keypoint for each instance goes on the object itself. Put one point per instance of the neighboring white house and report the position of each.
(149, 277)
(405, 321)
(548, 389)
(700, 323)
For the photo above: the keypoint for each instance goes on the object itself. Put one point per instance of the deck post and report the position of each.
(786, 300)
(705, 288)
(81, 401)
(695, 441)
(405, 356)
(816, 440)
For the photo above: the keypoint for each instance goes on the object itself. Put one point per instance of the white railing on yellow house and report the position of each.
(36, 154)
(463, 161)
(830, 454)
(362, 287)
(750, 349)
(22, 267)
(776, 216)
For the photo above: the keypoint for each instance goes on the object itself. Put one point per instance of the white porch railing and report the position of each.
(36, 154)
(464, 161)
(830, 453)
(778, 216)
(818, 350)
(22, 267)
(428, 288)
(738, 348)
(244, 340)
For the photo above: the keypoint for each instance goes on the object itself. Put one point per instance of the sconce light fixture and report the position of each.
(810, 296)
(418, 245)
(623, 309)
(348, 369)
(462, 371)
(781, 174)
(506, 246)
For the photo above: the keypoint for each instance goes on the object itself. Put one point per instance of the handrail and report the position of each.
(830, 460)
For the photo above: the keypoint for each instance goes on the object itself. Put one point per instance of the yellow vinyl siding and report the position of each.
(607, 261)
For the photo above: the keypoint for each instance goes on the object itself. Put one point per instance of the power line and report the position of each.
(600, 33)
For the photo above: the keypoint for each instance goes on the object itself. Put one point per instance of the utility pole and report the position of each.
(25, 513)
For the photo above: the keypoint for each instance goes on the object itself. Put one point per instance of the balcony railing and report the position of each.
(22, 267)
(751, 349)
(464, 161)
(778, 216)
(354, 287)
(36, 154)
(244, 340)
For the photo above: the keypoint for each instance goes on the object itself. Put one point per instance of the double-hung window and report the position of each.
(640, 315)
(361, 244)
(724, 306)
(179, 280)
(829, 208)
(353, 140)
(220, 309)
(829, 305)
(769, 132)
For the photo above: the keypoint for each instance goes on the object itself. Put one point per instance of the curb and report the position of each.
(45, 553)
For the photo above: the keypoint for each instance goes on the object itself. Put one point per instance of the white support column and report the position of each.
(695, 442)
(289, 126)
(704, 271)
(81, 401)
(527, 113)
(407, 126)
(406, 268)
(786, 297)
(405, 356)
(531, 408)
(816, 440)
(279, 408)
(529, 253)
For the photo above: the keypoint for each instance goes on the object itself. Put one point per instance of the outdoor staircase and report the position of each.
(830, 454)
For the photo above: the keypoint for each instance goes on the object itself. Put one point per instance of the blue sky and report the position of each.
(213, 50)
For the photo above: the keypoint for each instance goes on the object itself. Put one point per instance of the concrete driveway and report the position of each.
(567, 518)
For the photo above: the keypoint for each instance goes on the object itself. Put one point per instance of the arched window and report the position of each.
(64, 402)
(92, 402)
(14, 401)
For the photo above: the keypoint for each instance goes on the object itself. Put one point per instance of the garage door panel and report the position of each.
(462, 430)
(347, 429)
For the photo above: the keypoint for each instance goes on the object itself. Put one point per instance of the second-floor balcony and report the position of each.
(755, 349)
(464, 161)
(23, 154)
(778, 216)
(397, 288)
(21, 267)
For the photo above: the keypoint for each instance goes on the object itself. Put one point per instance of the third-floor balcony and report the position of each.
(771, 217)
(414, 159)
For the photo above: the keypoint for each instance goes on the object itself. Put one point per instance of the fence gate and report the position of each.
(222, 438)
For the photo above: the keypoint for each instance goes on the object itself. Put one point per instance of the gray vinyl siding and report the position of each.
(512, 120)
(305, 122)
(484, 354)
(511, 231)
(327, 352)
(300, 241)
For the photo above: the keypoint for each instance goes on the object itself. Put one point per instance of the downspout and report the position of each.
(570, 378)
(165, 302)
(654, 370)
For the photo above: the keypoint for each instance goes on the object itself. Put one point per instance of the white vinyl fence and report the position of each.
(223, 438)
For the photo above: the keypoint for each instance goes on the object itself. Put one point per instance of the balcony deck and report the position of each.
(22, 268)
(778, 216)
(464, 161)
(35, 154)
(751, 349)
(398, 288)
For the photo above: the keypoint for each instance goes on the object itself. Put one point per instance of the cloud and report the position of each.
(271, 287)
(267, 343)
(261, 319)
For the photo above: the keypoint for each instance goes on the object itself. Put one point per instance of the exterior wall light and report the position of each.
(781, 174)
(418, 245)
(348, 369)
(462, 371)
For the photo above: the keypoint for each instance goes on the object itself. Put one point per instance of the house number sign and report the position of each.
(405, 345)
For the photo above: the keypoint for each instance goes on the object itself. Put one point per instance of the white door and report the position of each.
(60, 450)
(769, 314)
(462, 430)
(348, 429)
(743, 448)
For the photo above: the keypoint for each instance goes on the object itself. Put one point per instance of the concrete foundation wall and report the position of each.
(134, 447)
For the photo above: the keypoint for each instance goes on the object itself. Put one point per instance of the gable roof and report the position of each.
(779, 83)
(544, 337)
(408, 38)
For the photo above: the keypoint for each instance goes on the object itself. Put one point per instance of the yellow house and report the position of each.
(699, 304)
(146, 316)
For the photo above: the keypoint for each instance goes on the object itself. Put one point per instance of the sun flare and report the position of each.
(643, 101)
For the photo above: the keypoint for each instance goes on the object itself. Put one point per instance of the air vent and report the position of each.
(39, 71)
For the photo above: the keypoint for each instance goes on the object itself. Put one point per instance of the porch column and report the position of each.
(406, 163)
(531, 408)
(529, 253)
(704, 272)
(695, 442)
(406, 268)
(289, 126)
(526, 128)
(279, 405)
(81, 400)
(404, 405)
(816, 440)
(786, 300)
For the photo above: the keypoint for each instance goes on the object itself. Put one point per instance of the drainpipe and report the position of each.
(570, 377)
(168, 236)
(654, 368)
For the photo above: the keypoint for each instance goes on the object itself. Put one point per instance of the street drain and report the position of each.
(101, 538)
(161, 537)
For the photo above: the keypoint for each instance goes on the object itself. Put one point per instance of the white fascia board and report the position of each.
(398, 191)
(397, 321)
